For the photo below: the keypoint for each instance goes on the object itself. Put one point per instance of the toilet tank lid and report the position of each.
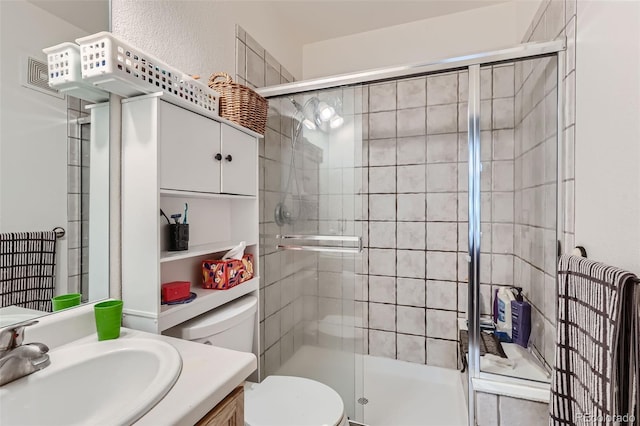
(217, 320)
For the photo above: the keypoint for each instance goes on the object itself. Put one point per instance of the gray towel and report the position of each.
(596, 366)
(27, 269)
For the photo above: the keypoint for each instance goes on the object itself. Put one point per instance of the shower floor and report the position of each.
(399, 393)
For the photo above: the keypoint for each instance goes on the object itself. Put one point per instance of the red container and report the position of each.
(224, 274)
(176, 290)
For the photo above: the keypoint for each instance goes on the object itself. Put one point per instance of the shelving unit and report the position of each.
(173, 157)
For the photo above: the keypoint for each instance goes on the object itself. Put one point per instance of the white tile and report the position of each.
(442, 353)
(442, 236)
(502, 210)
(411, 122)
(411, 178)
(442, 119)
(381, 179)
(411, 207)
(382, 207)
(411, 291)
(382, 262)
(272, 76)
(441, 324)
(522, 412)
(486, 83)
(411, 320)
(442, 148)
(487, 409)
(328, 307)
(254, 45)
(503, 81)
(382, 343)
(502, 269)
(442, 206)
(255, 68)
(411, 263)
(502, 177)
(411, 150)
(272, 359)
(272, 329)
(442, 89)
(441, 295)
(503, 113)
(502, 238)
(382, 234)
(272, 299)
(382, 316)
(411, 348)
(412, 93)
(442, 177)
(411, 235)
(382, 152)
(382, 97)
(441, 265)
(503, 143)
(382, 125)
(382, 289)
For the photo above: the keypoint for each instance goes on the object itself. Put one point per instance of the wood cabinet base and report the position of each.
(230, 412)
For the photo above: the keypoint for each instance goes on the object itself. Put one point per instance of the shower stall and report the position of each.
(393, 204)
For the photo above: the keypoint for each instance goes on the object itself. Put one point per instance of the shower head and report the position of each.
(317, 113)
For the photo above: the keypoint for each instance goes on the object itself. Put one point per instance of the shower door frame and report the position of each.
(472, 63)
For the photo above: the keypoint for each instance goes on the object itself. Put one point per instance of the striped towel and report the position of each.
(27, 269)
(596, 367)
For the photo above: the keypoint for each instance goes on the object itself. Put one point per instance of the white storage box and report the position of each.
(116, 66)
(63, 65)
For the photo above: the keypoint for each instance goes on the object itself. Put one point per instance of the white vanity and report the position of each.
(140, 378)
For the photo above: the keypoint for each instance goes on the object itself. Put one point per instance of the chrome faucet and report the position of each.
(18, 360)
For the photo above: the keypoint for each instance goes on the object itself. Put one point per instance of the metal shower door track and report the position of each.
(527, 50)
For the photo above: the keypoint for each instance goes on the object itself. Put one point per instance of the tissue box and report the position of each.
(176, 290)
(224, 274)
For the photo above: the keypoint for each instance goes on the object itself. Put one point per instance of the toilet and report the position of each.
(278, 400)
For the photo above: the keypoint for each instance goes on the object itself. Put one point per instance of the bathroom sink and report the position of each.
(112, 382)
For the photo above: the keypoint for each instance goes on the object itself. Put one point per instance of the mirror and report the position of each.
(54, 164)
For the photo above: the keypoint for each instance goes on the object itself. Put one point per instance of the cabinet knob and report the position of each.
(228, 158)
(218, 157)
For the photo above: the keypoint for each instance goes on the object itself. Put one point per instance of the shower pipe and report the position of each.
(472, 63)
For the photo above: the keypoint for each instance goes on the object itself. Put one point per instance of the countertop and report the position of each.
(208, 375)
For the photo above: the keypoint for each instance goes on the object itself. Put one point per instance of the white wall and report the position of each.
(198, 37)
(476, 30)
(607, 191)
(33, 129)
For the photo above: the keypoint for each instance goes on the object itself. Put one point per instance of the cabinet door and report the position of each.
(230, 412)
(188, 146)
(239, 162)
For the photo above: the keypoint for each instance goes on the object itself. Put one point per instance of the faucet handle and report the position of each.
(13, 335)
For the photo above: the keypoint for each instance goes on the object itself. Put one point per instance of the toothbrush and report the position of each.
(186, 209)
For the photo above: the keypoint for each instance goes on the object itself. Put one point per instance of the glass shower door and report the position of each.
(312, 245)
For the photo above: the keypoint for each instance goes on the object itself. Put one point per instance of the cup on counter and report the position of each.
(108, 319)
(65, 301)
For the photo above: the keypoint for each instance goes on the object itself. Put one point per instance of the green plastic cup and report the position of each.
(108, 319)
(65, 301)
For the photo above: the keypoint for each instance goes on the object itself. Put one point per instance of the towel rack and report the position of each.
(60, 232)
(320, 248)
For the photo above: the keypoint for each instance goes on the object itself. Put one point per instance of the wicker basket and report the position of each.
(239, 103)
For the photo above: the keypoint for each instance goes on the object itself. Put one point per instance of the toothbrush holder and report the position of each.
(178, 236)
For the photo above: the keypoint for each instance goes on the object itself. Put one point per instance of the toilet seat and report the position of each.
(292, 401)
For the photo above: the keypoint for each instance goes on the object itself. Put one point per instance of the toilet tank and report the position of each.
(228, 326)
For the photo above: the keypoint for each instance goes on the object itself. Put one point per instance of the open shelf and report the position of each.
(206, 300)
(200, 250)
(210, 195)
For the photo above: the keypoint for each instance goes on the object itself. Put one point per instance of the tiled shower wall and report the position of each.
(78, 198)
(415, 173)
(536, 160)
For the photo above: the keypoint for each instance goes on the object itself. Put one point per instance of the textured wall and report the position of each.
(198, 37)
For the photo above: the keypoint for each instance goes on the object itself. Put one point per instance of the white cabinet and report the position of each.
(202, 155)
(169, 160)
(189, 144)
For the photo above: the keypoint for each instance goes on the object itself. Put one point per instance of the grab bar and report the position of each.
(320, 238)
